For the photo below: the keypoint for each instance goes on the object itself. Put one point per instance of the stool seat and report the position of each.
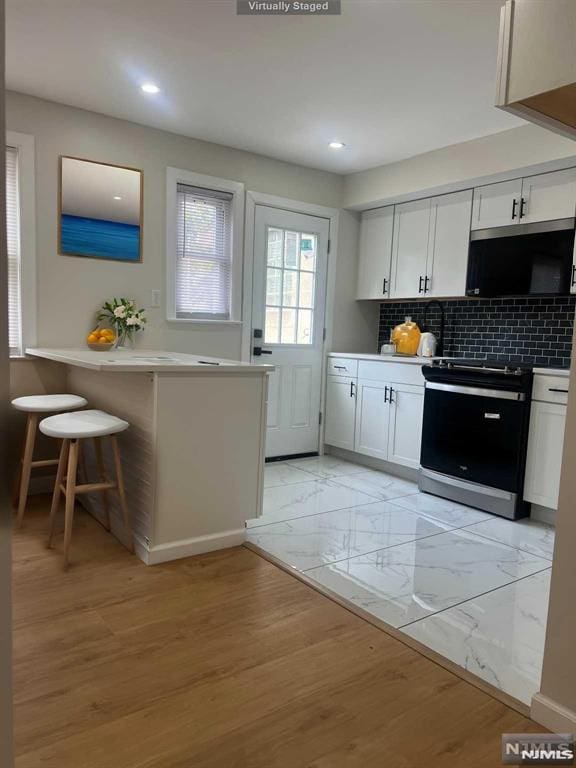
(75, 426)
(48, 403)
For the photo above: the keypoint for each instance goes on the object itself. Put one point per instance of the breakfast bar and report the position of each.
(193, 456)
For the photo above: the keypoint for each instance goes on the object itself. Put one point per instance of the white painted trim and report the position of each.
(25, 145)
(552, 715)
(175, 550)
(174, 176)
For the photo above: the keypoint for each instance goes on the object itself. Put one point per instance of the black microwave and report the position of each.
(522, 260)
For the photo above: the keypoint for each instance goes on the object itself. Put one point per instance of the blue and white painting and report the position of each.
(100, 210)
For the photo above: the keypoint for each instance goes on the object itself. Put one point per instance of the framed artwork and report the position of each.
(100, 210)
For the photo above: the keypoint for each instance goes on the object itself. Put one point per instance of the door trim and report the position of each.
(311, 209)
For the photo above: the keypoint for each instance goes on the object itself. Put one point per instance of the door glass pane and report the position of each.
(290, 293)
(306, 298)
(291, 250)
(304, 335)
(272, 326)
(274, 287)
(288, 331)
(290, 285)
(308, 252)
(275, 238)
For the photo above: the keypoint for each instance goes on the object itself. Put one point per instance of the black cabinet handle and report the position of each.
(564, 391)
(391, 393)
(426, 281)
(385, 394)
(514, 204)
(351, 389)
(573, 275)
(522, 206)
(384, 288)
(257, 351)
(420, 289)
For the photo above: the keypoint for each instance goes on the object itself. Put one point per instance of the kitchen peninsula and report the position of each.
(194, 454)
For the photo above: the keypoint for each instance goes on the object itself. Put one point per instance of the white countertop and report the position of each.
(145, 361)
(415, 360)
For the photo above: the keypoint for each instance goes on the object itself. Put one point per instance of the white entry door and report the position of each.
(289, 299)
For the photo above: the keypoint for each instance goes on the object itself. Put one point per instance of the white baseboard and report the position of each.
(552, 715)
(175, 550)
(543, 514)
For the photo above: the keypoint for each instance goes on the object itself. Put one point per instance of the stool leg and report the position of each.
(31, 425)
(56, 495)
(70, 499)
(121, 491)
(103, 479)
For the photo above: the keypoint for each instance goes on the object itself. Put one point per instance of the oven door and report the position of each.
(475, 434)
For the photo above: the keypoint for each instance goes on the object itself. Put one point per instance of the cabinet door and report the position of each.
(497, 205)
(340, 412)
(410, 249)
(372, 416)
(405, 430)
(375, 253)
(545, 447)
(450, 239)
(549, 196)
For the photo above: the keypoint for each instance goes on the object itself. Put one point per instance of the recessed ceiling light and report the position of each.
(150, 88)
(117, 197)
(336, 145)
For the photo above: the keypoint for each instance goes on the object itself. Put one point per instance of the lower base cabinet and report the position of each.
(340, 412)
(405, 427)
(545, 447)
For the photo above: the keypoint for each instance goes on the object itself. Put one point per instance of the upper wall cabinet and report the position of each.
(430, 248)
(522, 201)
(375, 253)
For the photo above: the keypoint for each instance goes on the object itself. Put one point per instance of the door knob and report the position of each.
(257, 351)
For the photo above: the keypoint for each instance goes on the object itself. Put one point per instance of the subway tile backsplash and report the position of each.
(530, 330)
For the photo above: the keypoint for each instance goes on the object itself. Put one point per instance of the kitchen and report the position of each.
(462, 447)
(325, 454)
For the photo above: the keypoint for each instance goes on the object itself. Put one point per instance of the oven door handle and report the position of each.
(497, 394)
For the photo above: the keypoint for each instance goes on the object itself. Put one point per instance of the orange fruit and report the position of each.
(103, 340)
(92, 338)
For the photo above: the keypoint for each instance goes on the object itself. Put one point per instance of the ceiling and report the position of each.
(390, 78)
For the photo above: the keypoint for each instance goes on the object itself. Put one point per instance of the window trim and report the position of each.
(175, 176)
(24, 143)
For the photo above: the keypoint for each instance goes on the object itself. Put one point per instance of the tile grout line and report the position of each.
(505, 544)
(470, 599)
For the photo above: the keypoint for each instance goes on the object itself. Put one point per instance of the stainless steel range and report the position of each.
(475, 434)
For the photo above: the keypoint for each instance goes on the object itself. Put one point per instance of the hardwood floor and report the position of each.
(220, 661)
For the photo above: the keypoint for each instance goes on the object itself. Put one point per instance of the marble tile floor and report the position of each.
(469, 585)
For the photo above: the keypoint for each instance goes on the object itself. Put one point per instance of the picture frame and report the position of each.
(100, 210)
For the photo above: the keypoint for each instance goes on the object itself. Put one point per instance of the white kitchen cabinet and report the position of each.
(405, 426)
(340, 411)
(497, 205)
(375, 253)
(372, 419)
(410, 249)
(449, 241)
(545, 447)
(548, 196)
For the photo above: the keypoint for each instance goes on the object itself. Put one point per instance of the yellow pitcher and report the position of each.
(406, 337)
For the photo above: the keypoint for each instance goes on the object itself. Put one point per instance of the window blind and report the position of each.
(204, 253)
(13, 244)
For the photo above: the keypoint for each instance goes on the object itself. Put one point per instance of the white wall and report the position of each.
(459, 166)
(71, 289)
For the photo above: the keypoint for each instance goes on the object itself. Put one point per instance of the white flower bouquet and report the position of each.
(123, 316)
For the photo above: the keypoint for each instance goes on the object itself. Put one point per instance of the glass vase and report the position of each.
(124, 340)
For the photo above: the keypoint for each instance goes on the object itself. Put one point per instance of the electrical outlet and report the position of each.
(154, 298)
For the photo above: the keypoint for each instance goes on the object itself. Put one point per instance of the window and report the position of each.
(204, 253)
(204, 242)
(21, 241)
(290, 279)
(13, 247)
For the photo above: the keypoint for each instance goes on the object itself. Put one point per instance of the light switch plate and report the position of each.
(155, 298)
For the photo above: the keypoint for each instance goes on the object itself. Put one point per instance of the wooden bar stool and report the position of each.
(72, 428)
(34, 406)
